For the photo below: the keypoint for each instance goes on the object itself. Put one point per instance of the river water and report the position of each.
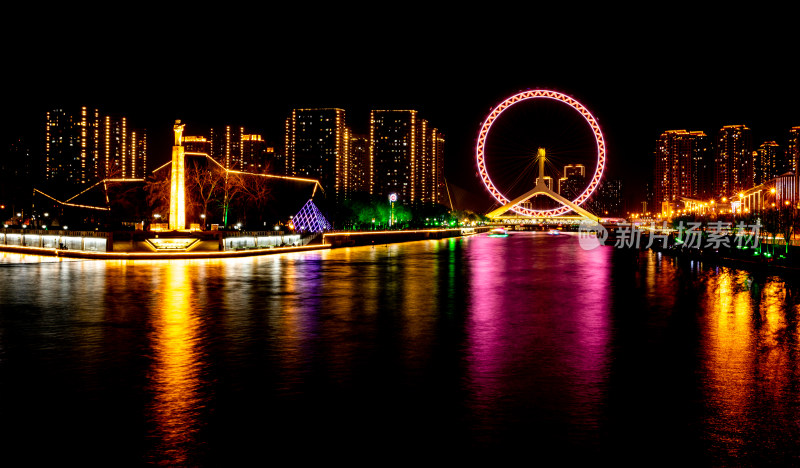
(457, 350)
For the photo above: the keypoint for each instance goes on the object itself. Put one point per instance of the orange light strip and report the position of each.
(72, 204)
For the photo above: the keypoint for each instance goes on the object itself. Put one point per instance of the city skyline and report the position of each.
(636, 91)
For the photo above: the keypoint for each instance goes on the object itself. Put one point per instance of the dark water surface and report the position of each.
(458, 350)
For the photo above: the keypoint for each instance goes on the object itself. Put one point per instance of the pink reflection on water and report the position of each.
(534, 336)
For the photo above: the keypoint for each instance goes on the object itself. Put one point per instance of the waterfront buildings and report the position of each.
(682, 166)
(81, 147)
(793, 149)
(767, 162)
(744, 179)
(733, 162)
(235, 148)
(573, 183)
(316, 143)
(401, 153)
(406, 155)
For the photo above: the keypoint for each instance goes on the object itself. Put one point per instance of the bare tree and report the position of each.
(256, 190)
(204, 183)
(157, 188)
(230, 188)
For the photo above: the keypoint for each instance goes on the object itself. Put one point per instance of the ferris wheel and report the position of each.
(593, 151)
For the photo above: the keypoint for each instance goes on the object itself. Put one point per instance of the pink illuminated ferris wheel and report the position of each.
(514, 139)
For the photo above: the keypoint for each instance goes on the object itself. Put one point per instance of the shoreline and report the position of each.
(340, 240)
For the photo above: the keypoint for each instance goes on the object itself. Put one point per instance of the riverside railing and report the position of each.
(91, 241)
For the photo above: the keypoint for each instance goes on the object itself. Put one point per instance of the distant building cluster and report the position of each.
(693, 169)
(236, 148)
(397, 151)
(400, 153)
(83, 146)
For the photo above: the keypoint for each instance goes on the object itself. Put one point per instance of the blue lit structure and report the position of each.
(310, 219)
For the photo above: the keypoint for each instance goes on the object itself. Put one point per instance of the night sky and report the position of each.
(638, 73)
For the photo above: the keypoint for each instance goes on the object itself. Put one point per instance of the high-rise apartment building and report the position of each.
(197, 144)
(138, 154)
(115, 157)
(682, 166)
(793, 149)
(767, 162)
(406, 155)
(573, 182)
(316, 145)
(72, 157)
(428, 174)
(83, 147)
(255, 153)
(393, 152)
(225, 146)
(734, 161)
(359, 168)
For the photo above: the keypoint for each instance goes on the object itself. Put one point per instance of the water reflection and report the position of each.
(525, 343)
(750, 362)
(177, 366)
(538, 333)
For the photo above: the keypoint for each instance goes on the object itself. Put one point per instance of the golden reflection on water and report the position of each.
(749, 359)
(176, 368)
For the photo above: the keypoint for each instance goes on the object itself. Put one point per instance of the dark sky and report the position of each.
(639, 73)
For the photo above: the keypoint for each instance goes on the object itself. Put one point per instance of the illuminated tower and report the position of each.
(681, 166)
(177, 196)
(393, 153)
(734, 161)
(316, 147)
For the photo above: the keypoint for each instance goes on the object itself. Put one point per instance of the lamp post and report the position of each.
(392, 199)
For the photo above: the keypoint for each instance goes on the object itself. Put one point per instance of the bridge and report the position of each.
(540, 188)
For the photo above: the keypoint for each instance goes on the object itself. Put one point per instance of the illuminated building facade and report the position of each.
(393, 153)
(254, 153)
(767, 162)
(115, 148)
(83, 147)
(359, 173)
(225, 146)
(428, 170)
(573, 183)
(72, 155)
(197, 144)
(734, 161)
(607, 199)
(316, 143)
(138, 154)
(439, 182)
(682, 166)
(406, 155)
(793, 149)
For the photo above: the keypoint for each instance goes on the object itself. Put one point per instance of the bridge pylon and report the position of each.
(541, 189)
